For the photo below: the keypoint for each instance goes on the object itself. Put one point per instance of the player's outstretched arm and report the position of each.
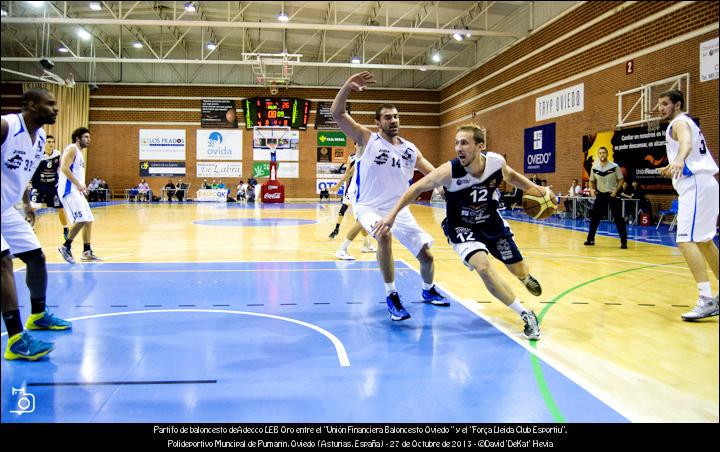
(347, 124)
(440, 176)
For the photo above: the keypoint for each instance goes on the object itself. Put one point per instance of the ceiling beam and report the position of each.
(264, 25)
(233, 62)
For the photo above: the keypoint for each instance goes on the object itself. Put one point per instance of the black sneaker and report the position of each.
(533, 286)
(623, 246)
(589, 243)
(334, 233)
(432, 296)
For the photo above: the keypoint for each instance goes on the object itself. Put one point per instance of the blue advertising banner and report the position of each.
(540, 149)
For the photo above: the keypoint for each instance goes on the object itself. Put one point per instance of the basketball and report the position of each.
(539, 203)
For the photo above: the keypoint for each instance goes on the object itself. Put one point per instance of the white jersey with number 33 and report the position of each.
(700, 160)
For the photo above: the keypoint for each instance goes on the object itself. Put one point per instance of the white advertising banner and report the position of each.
(283, 155)
(219, 169)
(162, 144)
(288, 170)
(212, 195)
(325, 184)
(219, 144)
(560, 103)
(709, 58)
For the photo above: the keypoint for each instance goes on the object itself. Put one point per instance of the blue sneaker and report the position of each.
(47, 321)
(396, 309)
(432, 296)
(24, 346)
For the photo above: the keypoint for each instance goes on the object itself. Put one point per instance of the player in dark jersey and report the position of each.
(45, 181)
(473, 225)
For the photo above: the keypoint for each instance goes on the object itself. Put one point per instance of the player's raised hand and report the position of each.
(360, 81)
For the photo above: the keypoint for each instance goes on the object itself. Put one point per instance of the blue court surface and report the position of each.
(275, 342)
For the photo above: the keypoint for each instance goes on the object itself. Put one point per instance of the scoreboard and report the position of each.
(275, 111)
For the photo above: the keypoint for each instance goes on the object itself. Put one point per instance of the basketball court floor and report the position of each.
(234, 313)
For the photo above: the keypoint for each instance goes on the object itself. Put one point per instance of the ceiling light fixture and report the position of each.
(84, 34)
(63, 49)
(282, 17)
(137, 45)
(95, 6)
(211, 45)
(458, 36)
(436, 57)
(190, 7)
(355, 60)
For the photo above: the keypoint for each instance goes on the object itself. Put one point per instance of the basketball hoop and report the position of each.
(653, 121)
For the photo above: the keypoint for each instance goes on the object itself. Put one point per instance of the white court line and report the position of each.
(190, 270)
(570, 374)
(339, 347)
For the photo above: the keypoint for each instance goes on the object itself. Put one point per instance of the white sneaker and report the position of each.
(706, 307)
(368, 249)
(343, 254)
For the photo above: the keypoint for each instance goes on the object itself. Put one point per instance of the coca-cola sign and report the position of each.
(272, 195)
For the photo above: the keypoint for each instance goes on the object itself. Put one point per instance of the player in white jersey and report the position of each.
(383, 170)
(23, 140)
(692, 168)
(348, 199)
(473, 225)
(73, 194)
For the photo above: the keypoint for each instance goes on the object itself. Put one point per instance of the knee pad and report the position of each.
(343, 209)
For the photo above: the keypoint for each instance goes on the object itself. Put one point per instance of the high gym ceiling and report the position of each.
(167, 43)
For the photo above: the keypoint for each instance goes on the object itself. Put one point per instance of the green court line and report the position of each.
(537, 369)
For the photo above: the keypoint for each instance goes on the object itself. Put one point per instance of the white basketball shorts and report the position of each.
(697, 208)
(17, 234)
(405, 228)
(77, 207)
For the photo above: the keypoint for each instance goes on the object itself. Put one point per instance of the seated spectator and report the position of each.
(181, 190)
(252, 182)
(241, 191)
(205, 184)
(170, 190)
(214, 184)
(144, 191)
(105, 190)
(573, 192)
(251, 193)
(133, 194)
(585, 190)
(626, 191)
(220, 184)
(92, 189)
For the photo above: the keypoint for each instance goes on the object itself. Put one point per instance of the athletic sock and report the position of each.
(704, 289)
(390, 287)
(517, 307)
(86, 247)
(345, 244)
(38, 305)
(12, 322)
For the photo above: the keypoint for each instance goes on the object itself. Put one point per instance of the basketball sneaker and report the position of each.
(368, 249)
(66, 254)
(24, 346)
(589, 243)
(343, 254)
(432, 296)
(706, 307)
(532, 285)
(334, 233)
(396, 309)
(46, 321)
(89, 256)
(532, 329)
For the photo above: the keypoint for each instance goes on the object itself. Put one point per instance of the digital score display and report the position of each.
(274, 111)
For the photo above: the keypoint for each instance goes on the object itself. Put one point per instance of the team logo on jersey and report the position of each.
(15, 161)
(603, 173)
(382, 157)
(408, 154)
